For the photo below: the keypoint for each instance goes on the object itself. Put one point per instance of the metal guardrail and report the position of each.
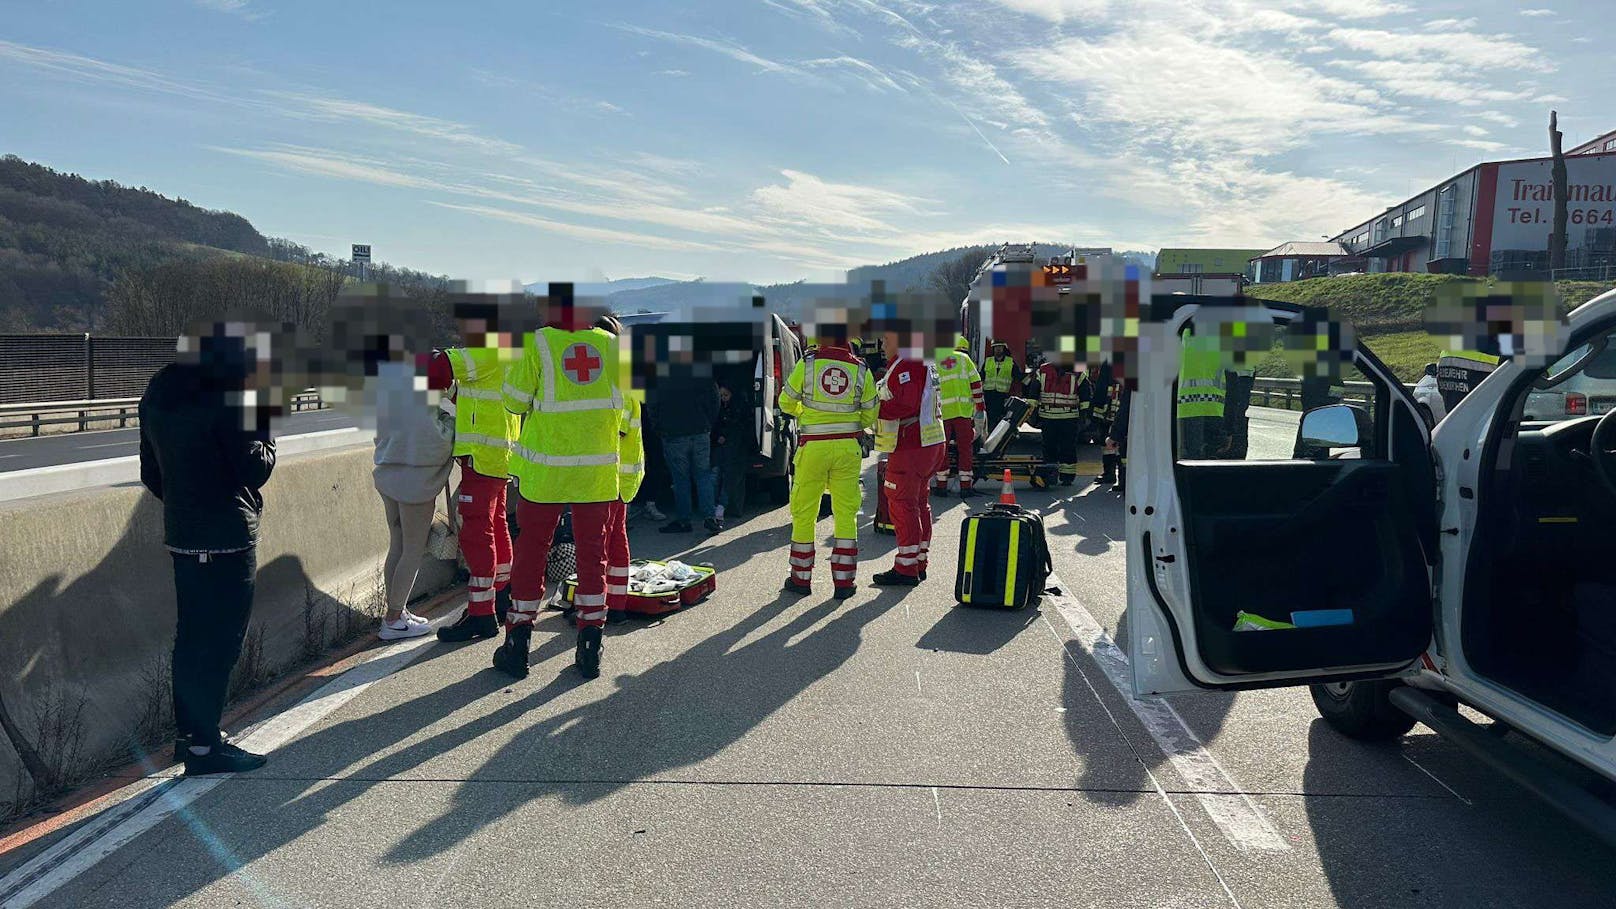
(1288, 392)
(39, 415)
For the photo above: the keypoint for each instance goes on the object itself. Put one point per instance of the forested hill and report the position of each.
(64, 239)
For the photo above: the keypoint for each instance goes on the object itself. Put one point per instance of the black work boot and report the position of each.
(792, 585)
(842, 593)
(967, 492)
(1108, 472)
(502, 604)
(587, 658)
(470, 628)
(511, 657)
(895, 578)
(940, 492)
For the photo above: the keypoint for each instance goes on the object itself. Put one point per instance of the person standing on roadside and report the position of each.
(484, 434)
(205, 455)
(1000, 374)
(415, 443)
(732, 451)
(909, 427)
(684, 406)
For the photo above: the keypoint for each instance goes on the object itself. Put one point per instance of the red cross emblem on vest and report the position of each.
(834, 381)
(949, 363)
(581, 364)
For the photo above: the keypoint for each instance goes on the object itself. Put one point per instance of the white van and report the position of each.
(1466, 566)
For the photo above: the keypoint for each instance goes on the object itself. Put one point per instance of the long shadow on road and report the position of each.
(674, 715)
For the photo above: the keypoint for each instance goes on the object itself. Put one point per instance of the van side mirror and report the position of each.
(1333, 426)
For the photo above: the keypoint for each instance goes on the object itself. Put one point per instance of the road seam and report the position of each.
(1240, 819)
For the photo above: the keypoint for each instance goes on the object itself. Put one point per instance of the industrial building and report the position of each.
(1183, 261)
(1495, 219)
(1297, 260)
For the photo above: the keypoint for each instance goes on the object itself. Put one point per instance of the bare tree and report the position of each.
(953, 278)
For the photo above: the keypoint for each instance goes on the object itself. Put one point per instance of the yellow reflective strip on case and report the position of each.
(970, 559)
(1010, 563)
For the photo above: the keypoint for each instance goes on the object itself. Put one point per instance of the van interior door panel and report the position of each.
(1298, 542)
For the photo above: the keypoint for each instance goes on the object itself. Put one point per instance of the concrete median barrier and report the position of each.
(87, 610)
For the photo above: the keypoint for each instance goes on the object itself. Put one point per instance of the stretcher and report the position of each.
(651, 589)
(993, 456)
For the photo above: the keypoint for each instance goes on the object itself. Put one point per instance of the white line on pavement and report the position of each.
(1439, 781)
(937, 802)
(156, 799)
(1240, 819)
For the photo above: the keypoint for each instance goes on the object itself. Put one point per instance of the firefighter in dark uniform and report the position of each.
(1116, 445)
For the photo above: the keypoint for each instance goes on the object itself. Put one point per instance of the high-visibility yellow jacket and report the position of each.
(630, 450)
(1200, 378)
(998, 375)
(570, 447)
(484, 430)
(831, 394)
(960, 384)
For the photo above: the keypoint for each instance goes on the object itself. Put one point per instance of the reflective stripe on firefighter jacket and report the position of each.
(831, 394)
(484, 429)
(1060, 394)
(960, 384)
(928, 416)
(998, 375)
(630, 450)
(1200, 378)
(566, 385)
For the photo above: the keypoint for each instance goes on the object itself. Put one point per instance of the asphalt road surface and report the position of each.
(890, 750)
(78, 447)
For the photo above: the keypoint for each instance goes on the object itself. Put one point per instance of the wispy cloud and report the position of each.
(1538, 12)
(548, 94)
(815, 11)
(807, 200)
(723, 48)
(611, 236)
(329, 108)
(1465, 48)
(674, 73)
(242, 8)
(89, 69)
(325, 163)
(868, 73)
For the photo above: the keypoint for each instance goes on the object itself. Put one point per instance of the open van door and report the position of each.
(1308, 558)
(764, 389)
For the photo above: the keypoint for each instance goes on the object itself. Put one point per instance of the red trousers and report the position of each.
(909, 471)
(617, 556)
(962, 432)
(538, 522)
(485, 537)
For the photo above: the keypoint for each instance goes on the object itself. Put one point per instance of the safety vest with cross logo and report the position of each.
(566, 385)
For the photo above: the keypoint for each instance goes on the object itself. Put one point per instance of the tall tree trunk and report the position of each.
(1557, 239)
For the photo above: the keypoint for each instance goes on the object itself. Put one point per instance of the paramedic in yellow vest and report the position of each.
(484, 433)
(1200, 398)
(961, 387)
(1000, 373)
(569, 455)
(832, 395)
(630, 472)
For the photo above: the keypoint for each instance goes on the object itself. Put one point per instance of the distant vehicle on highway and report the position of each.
(1469, 565)
(1590, 390)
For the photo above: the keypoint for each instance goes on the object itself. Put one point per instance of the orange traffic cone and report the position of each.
(1007, 492)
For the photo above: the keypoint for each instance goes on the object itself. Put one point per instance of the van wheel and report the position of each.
(780, 490)
(1362, 710)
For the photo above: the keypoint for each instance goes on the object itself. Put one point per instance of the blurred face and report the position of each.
(723, 394)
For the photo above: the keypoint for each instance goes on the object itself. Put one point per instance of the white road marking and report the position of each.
(156, 799)
(937, 802)
(1241, 820)
(1439, 781)
(1149, 774)
(918, 689)
(106, 445)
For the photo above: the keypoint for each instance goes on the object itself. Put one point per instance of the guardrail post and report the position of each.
(35, 424)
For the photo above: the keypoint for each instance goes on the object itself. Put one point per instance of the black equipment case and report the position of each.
(1004, 558)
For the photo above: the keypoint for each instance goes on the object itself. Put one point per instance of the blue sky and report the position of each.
(784, 139)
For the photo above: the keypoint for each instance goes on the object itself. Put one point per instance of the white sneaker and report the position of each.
(403, 628)
(414, 619)
(654, 513)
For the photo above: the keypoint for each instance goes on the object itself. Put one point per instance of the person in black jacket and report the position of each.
(206, 456)
(732, 449)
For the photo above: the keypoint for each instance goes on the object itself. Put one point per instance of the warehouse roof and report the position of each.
(1298, 248)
